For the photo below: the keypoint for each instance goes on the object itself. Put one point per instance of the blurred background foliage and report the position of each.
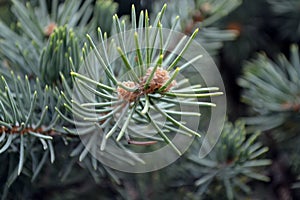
(255, 45)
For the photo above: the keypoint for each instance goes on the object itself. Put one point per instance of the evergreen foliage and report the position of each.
(203, 14)
(64, 98)
(287, 16)
(226, 173)
(271, 88)
(234, 160)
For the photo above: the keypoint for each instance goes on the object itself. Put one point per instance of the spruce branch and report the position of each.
(234, 160)
(136, 96)
(272, 89)
(27, 120)
(286, 18)
(24, 48)
(63, 46)
(102, 16)
(204, 16)
(227, 172)
(93, 109)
